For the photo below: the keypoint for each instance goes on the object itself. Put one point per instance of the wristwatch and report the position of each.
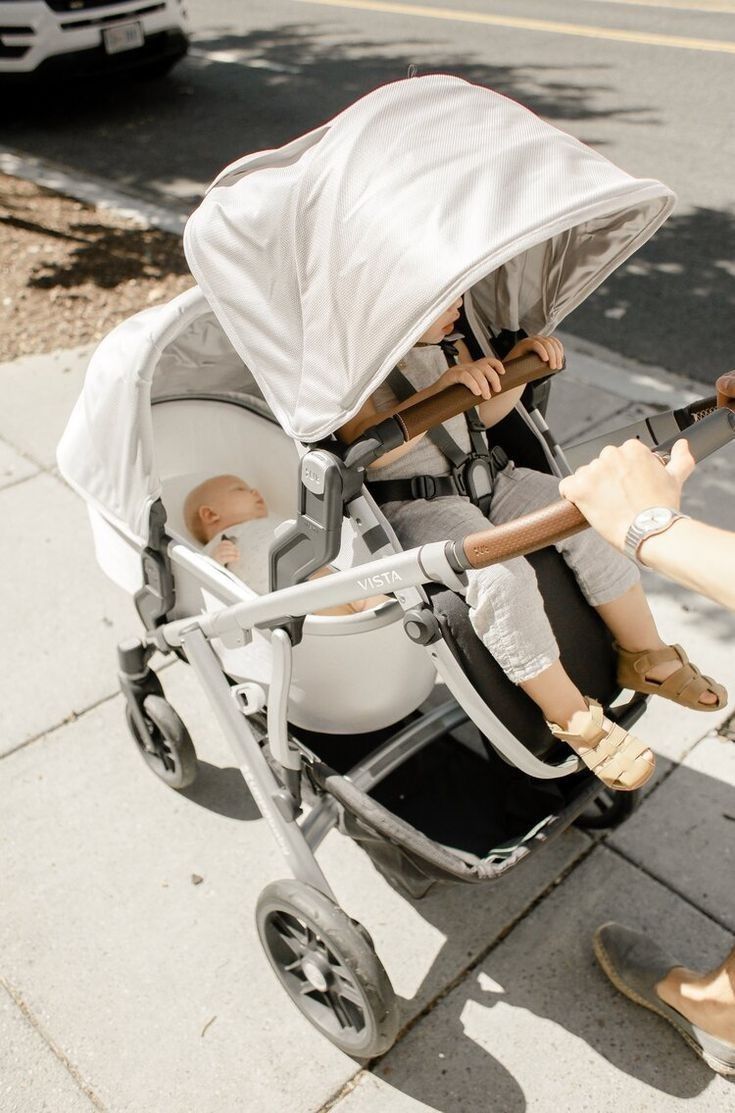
(647, 523)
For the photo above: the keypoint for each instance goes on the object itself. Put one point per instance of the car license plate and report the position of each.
(124, 36)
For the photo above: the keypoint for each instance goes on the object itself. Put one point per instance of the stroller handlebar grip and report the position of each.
(524, 535)
(562, 518)
(439, 407)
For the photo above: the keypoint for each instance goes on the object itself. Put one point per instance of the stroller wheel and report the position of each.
(328, 968)
(166, 747)
(608, 810)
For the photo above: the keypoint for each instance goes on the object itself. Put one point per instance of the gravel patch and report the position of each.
(69, 271)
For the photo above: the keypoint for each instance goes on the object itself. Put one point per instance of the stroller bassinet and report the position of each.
(338, 720)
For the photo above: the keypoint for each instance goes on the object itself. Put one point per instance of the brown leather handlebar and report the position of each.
(725, 387)
(562, 519)
(439, 407)
(524, 535)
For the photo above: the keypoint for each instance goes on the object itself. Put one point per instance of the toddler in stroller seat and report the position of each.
(505, 606)
(231, 519)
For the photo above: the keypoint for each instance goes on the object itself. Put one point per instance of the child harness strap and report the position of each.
(473, 473)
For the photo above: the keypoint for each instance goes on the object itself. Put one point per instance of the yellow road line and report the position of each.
(643, 38)
(726, 7)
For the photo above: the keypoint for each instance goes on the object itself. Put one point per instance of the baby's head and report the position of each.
(220, 502)
(443, 325)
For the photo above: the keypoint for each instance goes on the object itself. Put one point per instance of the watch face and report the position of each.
(656, 516)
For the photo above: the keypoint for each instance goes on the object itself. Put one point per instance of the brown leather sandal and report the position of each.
(613, 755)
(685, 686)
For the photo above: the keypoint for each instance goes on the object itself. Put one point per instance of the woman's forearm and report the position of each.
(696, 555)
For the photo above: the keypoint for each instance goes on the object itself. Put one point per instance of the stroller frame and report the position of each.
(366, 1020)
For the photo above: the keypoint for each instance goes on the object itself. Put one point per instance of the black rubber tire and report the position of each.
(168, 750)
(297, 923)
(608, 810)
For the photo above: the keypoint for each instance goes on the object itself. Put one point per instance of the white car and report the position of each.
(43, 38)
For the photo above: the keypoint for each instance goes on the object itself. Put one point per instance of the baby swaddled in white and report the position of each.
(247, 553)
(231, 520)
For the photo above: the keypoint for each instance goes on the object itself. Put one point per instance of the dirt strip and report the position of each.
(69, 271)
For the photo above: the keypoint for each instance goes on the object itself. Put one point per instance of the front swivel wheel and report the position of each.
(325, 962)
(165, 744)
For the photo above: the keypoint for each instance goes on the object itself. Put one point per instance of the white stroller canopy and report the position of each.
(326, 259)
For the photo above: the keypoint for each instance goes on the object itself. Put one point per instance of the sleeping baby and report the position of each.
(231, 520)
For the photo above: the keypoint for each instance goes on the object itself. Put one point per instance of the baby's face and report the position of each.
(443, 325)
(235, 501)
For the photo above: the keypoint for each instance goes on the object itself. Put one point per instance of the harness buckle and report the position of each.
(458, 475)
(423, 487)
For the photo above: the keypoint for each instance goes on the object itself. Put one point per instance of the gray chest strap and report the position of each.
(473, 473)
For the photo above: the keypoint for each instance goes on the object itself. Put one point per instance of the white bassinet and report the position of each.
(351, 673)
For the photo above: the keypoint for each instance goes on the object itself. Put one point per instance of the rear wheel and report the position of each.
(166, 746)
(326, 963)
(608, 810)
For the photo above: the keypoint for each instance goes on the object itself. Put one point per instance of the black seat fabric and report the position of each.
(584, 641)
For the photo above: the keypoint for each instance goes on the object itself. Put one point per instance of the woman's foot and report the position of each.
(644, 972)
(669, 673)
(619, 759)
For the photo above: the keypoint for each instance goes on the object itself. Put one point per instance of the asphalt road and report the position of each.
(650, 84)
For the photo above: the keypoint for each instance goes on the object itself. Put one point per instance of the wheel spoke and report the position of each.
(291, 928)
(338, 1008)
(350, 993)
(289, 937)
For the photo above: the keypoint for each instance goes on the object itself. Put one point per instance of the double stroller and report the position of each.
(318, 266)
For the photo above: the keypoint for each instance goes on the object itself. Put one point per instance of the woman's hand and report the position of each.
(621, 482)
(547, 348)
(226, 552)
(482, 377)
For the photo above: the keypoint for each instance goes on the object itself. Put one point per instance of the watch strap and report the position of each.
(638, 531)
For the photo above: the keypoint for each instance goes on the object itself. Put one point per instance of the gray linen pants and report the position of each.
(506, 607)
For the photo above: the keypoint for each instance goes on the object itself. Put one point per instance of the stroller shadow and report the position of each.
(221, 790)
(539, 996)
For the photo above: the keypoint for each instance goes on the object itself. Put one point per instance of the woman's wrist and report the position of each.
(653, 549)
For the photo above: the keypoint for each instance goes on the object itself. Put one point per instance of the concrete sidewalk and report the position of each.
(133, 987)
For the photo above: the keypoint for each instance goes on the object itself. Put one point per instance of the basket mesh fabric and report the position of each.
(325, 260)
(413, 862)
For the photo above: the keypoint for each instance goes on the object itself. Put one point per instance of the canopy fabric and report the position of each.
(326, 259)
(321, 263)
(107, 451)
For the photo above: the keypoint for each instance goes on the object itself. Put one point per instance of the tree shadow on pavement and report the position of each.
(681, 285)
(168, 139)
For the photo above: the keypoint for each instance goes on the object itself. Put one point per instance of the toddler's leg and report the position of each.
(611, 584)
(507, 614)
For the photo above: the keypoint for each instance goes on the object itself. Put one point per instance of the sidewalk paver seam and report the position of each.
(74, 715)
(587, 427)
(80, 1081)
(666, 885)
(343, 1091)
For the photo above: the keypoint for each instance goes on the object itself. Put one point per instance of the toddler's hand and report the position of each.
(548, 348)
(226, 552)
(482, 377)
